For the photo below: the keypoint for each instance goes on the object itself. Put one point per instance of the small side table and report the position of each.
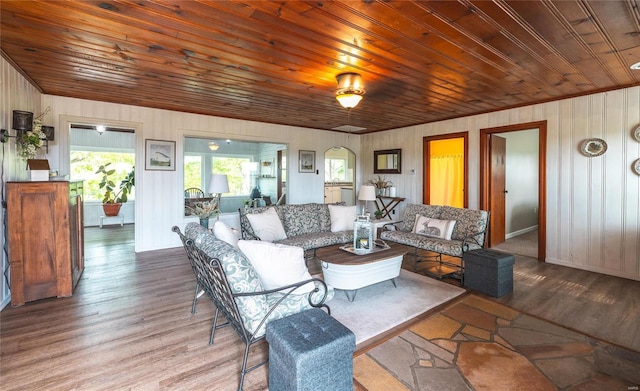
(377, 224)
(103, 218)
(387, 204)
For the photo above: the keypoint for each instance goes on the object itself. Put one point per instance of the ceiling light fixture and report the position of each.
(213, 146)
(350, 89)
(101, 129)
(635, 66)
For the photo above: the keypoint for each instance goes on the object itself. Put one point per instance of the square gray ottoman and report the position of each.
(489, 271)
(310, 351)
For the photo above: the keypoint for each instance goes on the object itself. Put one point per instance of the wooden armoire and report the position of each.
(46, 242)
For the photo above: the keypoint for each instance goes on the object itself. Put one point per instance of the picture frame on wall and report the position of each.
(160, 155)
(306, 161)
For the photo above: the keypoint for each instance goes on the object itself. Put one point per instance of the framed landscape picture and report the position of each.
(307, 161)
(160, 155)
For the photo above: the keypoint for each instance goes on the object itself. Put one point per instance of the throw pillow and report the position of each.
(277, 265)
(433, 227)
(267, 225)
(342, 217)
(224, 233)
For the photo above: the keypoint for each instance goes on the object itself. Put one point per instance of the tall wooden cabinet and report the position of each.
(46, 243)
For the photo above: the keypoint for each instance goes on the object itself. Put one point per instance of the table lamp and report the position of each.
(218, 184)
(367, 193)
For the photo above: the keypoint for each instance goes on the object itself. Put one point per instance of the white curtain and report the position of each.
(446, 180)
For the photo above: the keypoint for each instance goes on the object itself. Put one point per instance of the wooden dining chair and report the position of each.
(193, 192)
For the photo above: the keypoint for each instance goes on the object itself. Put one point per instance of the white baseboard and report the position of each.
(520, 232)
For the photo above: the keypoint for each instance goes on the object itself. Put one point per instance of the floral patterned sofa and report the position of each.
(232, 283)
(305, 225)
(243, 279)
(468, 233)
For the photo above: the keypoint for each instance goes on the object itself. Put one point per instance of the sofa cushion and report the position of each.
(342, 217)
(411, 210)
(192, 230)
(320, 239)
(224, 232)
(467, 221)
(241, 275)
(267, 225)
(277, 265)
(433, 227)
(300, 219)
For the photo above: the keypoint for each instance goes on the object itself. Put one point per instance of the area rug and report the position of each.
(381, 307)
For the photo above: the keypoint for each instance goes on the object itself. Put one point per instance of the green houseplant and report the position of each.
(114, 197)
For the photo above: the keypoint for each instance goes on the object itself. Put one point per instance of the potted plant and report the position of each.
(114, 197)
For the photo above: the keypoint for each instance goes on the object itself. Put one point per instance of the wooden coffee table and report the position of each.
(350, 272)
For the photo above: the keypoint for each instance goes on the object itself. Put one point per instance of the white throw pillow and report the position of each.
(433, 227)
(267, 225)
(342, 217)
(224, 233)
(277, 265)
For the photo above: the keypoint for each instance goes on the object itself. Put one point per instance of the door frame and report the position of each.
(485, 174)
(426, 187)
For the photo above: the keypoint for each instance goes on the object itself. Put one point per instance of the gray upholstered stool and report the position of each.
(310, 351)
(489, 272)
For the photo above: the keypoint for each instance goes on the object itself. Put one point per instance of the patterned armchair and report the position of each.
(230, 281)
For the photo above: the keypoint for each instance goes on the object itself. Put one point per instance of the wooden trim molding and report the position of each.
(485, 174)
(426, 188)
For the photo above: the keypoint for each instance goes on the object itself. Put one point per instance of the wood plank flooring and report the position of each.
(129, 325)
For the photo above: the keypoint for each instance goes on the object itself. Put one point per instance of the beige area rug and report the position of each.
(381, 307)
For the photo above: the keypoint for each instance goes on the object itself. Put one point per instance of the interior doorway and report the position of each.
(131, 131)
(445, 170)
(339, 175)
(492, 188)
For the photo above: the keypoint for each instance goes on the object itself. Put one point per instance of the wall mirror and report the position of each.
(387, 161)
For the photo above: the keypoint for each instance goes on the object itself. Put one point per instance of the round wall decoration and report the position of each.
(593, 147)
(636, 166)
(636, 134)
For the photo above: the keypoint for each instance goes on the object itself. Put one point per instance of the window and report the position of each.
(238, 172)
(241, 162)
(335, 170)
(85, 163)
(192, 171)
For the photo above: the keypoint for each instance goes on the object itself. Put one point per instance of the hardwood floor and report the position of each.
(129, 323)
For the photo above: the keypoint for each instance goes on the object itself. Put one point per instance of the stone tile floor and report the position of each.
(477, 344)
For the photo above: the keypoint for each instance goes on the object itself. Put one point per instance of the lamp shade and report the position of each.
(218, 184)
(367, 193)
(22, 120)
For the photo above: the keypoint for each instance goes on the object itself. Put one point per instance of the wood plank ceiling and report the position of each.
(276, 61)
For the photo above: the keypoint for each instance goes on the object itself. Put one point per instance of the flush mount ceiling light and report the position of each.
(635, 66)
(350, 89)
(213, 146)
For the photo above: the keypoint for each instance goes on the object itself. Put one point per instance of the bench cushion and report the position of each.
(442, 246)
(467, 221)
(305, 218)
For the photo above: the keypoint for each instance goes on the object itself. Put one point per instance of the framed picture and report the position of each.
(160, 155)
(387, 161)
(306, 161)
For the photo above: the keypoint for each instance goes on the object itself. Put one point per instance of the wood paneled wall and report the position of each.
(16, 93)
(163, 190)
(593, 204)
